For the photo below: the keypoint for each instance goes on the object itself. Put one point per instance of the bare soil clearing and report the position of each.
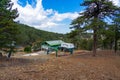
(79, 66)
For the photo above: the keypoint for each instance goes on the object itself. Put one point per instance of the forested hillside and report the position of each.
(28, 35)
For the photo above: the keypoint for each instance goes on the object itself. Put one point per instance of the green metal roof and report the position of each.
(54, 42)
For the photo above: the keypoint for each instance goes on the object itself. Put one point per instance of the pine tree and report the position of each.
(117, 30)
(8, 29)
(93, 17)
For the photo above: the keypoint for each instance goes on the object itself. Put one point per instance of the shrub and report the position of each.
(27, 49)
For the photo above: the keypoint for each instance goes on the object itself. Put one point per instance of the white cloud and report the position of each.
(43, 19)
(116, 2)
(40, 18)
(60, 17)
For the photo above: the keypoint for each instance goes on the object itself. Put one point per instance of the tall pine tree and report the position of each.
(93, 17)
(8, 30)
(117, 30)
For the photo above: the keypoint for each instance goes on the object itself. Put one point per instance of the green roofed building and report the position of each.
(55, 45)
(51, 44)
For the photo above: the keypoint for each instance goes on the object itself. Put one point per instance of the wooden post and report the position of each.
(56, 50)
(47, 51)
(71, 51)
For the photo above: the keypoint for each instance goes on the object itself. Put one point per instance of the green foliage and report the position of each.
(86, 44)
(81, 39)
(27, 49)
(89, 44)
(36, 46)
(93, 17)
(74, 37)
(8, 28)
(117, 31)
(29, 35)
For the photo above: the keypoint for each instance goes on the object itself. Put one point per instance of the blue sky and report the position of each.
(49, 15)
(63, 6)
(59, 5)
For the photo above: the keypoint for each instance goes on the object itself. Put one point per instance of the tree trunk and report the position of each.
(94, 41)
(1, 55)
(10, 52)
(115, 49)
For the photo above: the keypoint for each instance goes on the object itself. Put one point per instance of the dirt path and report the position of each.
(80, 66)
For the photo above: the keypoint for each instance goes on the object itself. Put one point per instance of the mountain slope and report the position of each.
(28, 35)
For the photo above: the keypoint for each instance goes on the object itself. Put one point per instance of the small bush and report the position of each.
(27, 49)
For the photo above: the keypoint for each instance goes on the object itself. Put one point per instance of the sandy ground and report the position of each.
(79, 66)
